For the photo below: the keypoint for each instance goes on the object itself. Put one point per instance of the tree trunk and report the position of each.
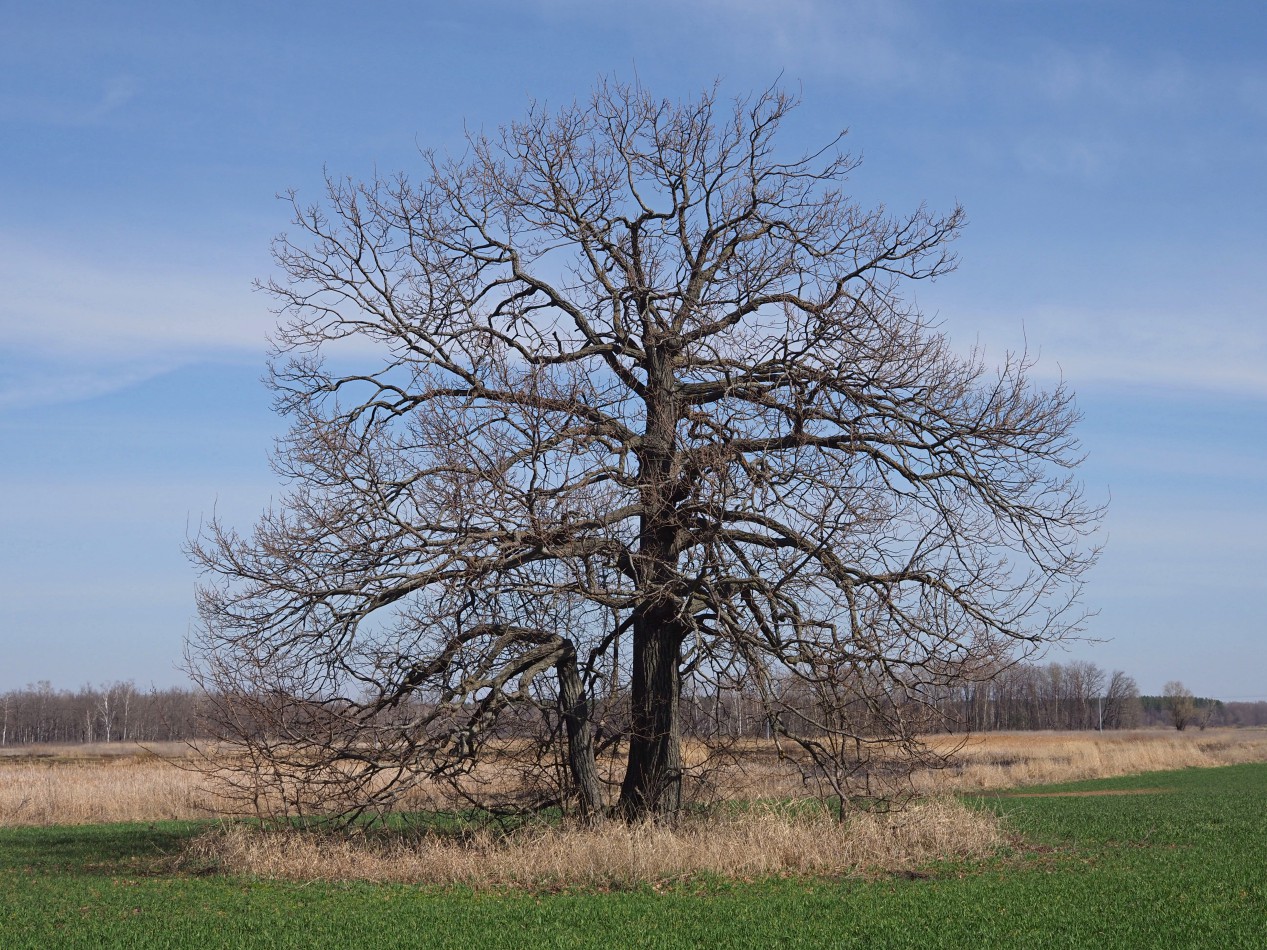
(653, 778)
(574, 705)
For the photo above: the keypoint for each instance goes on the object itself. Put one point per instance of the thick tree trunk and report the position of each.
(653, 777)
(575, 708)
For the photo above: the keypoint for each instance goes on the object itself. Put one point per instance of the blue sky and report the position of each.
(1110, 156)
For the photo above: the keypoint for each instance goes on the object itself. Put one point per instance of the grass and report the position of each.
(99, 783)
(764, 840)
(1183, 867)
(117, 782)
(997, 760)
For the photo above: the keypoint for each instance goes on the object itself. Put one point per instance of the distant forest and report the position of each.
(118, 712)
(1076, 695)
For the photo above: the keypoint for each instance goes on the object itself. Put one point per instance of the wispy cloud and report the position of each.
(122, 304)
(1098, 75)
(1063, 156)
(1251, 92)
(74, 326)
(1173, 351)
(94, 107)
(33, 380)
(872, 44)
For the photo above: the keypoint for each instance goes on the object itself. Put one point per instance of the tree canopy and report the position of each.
(619, 401)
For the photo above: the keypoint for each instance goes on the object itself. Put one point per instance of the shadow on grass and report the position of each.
(95, 849)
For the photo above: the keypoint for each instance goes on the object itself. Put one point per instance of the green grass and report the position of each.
(1183, 868)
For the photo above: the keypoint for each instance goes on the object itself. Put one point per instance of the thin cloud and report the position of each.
(872, 44)
(58, 302)
(1222, 354)
(1062, 157)
(74, 327)
(1251, 91)
(36, 381)
(96, 108)
(1081, 76)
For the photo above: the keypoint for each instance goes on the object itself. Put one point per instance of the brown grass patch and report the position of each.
(1000, 760)
(95, 784)
(761, 842)
(46, 785)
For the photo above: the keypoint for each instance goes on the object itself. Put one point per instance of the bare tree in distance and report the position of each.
(1182, 706)
(634, 401)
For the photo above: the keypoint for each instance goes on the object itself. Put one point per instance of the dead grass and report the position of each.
(1010, 759)
(49, 785)
(62, 753)
(95, 784)
(755, 843)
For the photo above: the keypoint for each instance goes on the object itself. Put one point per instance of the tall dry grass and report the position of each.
(760, 842)
(96, 784)
(994, 761)
(118, 782)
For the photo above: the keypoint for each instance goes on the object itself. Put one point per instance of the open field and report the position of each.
(47, 785)
(99, 783)
(996, 760)
(1178, 866)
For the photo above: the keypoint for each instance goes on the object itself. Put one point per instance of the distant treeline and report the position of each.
(1079, 695)
(117, 712)
(1026, 696)
(1156, 710)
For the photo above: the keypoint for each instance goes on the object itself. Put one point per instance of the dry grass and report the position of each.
(95, 784)
(999, 760)
(92, 784)
(754, 843)
(1011, 759)
(121, 782)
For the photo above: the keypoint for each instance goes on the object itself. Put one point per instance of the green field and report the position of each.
(1183, 866)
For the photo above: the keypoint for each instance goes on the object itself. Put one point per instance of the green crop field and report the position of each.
(1184, 864)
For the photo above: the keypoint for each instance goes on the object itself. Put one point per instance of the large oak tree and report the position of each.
(623, 398)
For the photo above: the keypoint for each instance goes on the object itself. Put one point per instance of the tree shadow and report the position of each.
(131, 849)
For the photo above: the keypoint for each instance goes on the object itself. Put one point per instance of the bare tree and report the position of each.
(1121, 702)
(622, 398)
(1180, 703)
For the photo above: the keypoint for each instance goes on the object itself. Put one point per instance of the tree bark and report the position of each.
(653, 777)
(575, 708)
